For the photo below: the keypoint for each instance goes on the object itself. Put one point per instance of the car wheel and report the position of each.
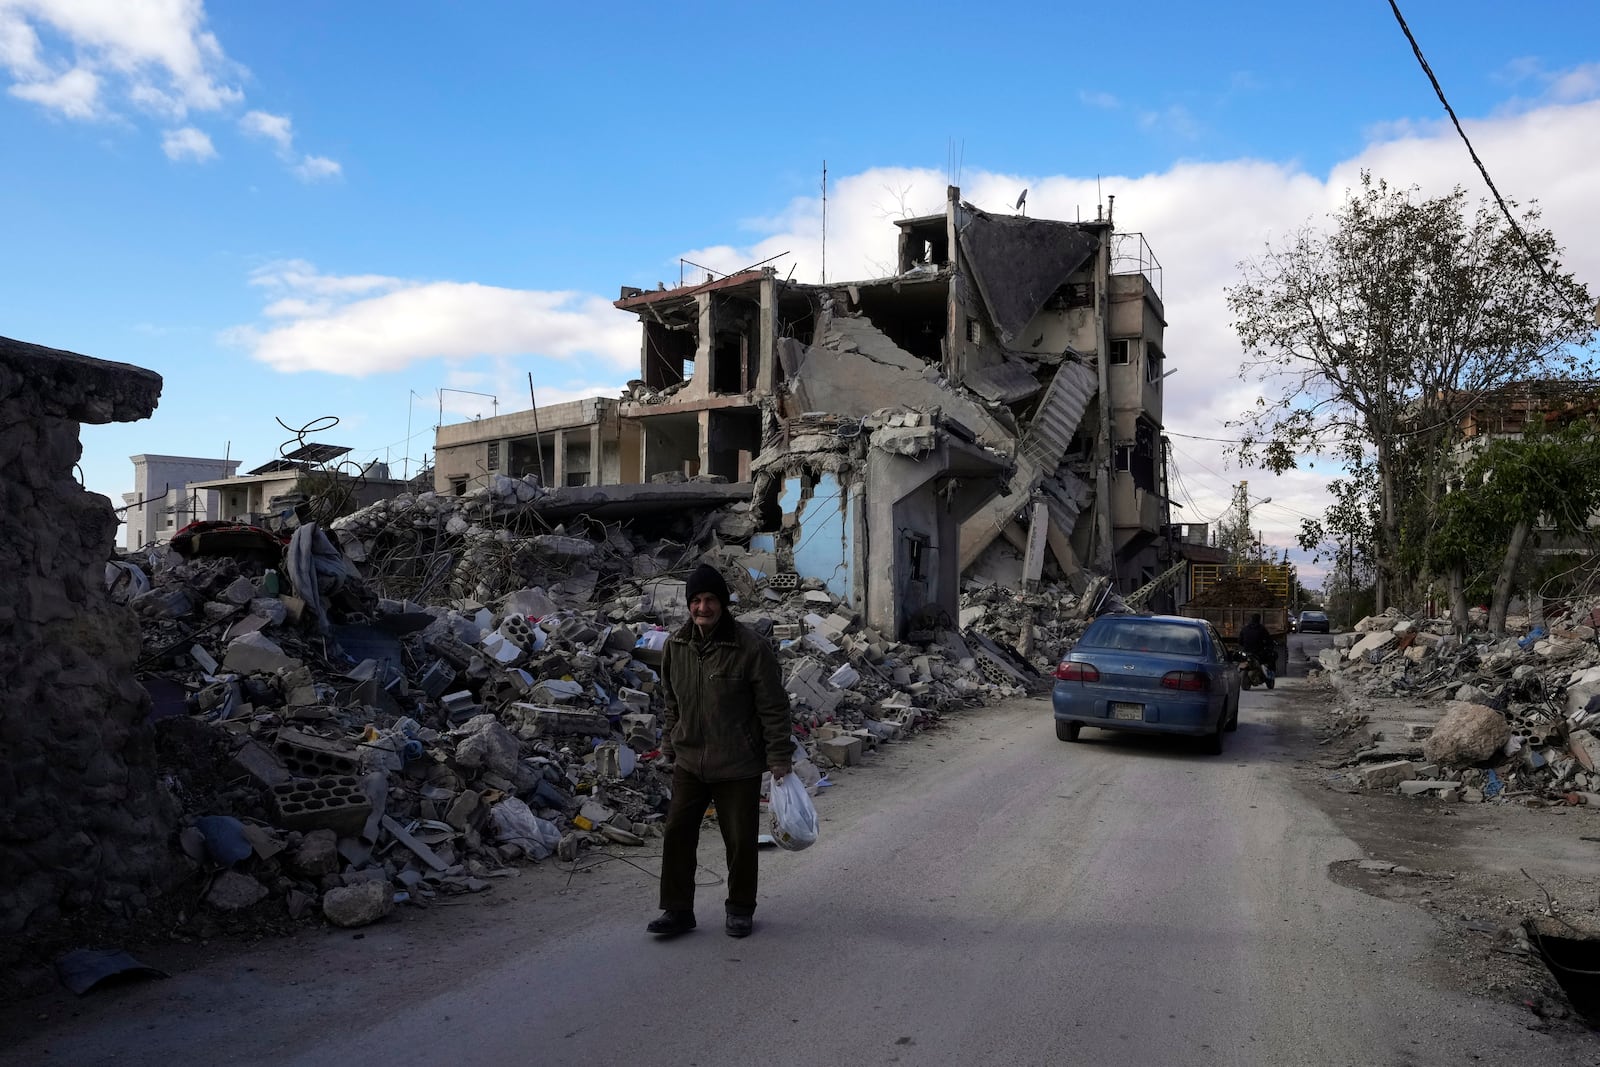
(1067, 731)
(1211, 744)
(1233, 720)
(1245, 683)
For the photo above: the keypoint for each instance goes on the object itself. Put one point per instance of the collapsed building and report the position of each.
(852, 454)
(1027, 353)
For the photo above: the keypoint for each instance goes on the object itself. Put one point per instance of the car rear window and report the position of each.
(1130, 635)
(1312, 616)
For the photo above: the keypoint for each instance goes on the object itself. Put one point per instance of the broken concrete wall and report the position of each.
(823, 531)
(914, 553)
(921, 483)
(999, 564)
(83, 822)
(1019, 263)
(855, 369)
(1060, 328)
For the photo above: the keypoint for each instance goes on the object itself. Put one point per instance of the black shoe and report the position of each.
(672, 922)
(739, 925)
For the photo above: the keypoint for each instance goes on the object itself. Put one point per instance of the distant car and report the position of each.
(1148, 674)
(1312, 622)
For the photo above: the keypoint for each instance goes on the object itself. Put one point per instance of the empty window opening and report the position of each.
(1142, 464)
(917, 557)
(1152, 364)
(924, 244)
(1121, 352)
(913, 316)
(1070, 296)
(730, 362)
(797, 319)
(669, 353)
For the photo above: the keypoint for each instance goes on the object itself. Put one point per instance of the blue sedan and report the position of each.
(1150, 674)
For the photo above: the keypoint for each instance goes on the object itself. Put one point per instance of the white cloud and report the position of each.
(1105, 100)
(317, 168)
(158, 53)
(1580, 83)
(358, 325)
(1175, 119)
(19, 47)
(187, 144)
(279, 129)
(275, 128)
(1569, 86)
(155, 57)
(75, 94)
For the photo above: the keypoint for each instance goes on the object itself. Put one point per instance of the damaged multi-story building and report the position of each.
(1032, 349)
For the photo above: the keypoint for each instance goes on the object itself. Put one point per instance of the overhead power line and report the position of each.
(1483, 170)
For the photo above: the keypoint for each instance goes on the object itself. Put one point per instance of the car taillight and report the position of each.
(1191, 681)
(1077, 672)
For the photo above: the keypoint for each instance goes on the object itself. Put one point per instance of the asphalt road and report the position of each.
(988, 895)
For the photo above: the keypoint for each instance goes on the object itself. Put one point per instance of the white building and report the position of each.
(162, 502)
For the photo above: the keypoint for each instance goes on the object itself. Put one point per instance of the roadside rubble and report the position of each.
(438, 689)
(1519, 717)
(1038, 626)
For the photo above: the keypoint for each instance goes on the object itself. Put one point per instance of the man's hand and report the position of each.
(779, 770)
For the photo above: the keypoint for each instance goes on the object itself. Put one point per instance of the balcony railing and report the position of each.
(1131, 254)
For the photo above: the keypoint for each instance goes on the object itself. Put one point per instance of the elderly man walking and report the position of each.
(727, 720)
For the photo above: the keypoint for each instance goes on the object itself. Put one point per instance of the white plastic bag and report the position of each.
(794, 820)
(515, 824)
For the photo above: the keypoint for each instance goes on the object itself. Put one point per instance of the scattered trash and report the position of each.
(84, 969)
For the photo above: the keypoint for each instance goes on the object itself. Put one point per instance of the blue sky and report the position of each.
(299, 210)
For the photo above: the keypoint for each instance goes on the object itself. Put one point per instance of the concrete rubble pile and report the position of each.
(1521, 719)
(1039, 625)
(444, 688)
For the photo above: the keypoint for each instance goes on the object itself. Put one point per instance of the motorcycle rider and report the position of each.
(1256, 641)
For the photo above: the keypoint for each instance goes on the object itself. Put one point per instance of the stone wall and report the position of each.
(83, 821)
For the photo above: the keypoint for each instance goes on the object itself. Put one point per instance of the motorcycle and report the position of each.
(1254, 672)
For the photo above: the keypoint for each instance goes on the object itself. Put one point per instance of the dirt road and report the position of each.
(985, 894)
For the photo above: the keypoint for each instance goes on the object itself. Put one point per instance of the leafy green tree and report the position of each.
(1371, 339)
(1546, 481)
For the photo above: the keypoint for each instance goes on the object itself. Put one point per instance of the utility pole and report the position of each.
(538, 442)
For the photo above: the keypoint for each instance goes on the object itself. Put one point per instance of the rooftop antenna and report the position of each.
(1099, 204)
(824, 222)
(1022, 203)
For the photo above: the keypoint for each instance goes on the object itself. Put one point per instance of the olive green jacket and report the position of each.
(727, 712)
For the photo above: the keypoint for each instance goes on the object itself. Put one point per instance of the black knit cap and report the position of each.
(706, 579)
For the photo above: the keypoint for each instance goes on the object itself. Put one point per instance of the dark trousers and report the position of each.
(738, 814)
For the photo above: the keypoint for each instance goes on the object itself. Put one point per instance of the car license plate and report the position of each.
(1127, 711)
